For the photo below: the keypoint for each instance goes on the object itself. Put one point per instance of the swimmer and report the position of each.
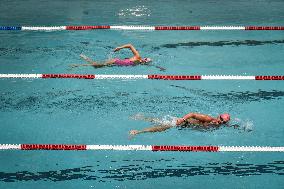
(190, 119)
(133, 61)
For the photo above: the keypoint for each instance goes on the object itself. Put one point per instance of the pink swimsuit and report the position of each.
(125, 62)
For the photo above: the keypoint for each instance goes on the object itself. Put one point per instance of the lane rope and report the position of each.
(135, 77)
(182, 148)
(138, 27)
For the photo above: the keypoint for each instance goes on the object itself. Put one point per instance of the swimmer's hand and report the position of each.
(133, 132)
(214, 122)
(117, 49)
(179, 121)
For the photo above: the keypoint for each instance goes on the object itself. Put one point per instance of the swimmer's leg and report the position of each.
(141, 117)
(106, 63)
(87, 59)
(93, 63)
(78, 65)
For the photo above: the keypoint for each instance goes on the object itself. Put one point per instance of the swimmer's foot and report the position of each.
(84, 57)
(138, 116)
(161, 68)
(74, 65)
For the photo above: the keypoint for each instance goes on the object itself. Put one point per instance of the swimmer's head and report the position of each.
(224, 118)
(146, 60)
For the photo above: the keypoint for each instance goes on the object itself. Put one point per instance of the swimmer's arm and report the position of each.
(200, 117)
(131, 47)
(158, 128)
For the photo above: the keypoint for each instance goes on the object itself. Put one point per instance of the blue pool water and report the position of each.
(98, 111)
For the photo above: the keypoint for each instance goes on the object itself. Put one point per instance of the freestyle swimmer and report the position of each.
(190, 119)
(133, 61)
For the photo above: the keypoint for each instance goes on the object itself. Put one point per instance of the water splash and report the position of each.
(166, 120)
(110, 55)
(244, 125)
(136, 11)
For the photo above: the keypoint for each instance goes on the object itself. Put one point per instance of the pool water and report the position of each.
(99, 111)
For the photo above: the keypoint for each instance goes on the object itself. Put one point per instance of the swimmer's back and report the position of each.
(124, 62)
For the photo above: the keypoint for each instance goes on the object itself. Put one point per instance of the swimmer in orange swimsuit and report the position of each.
(136, 59)
(191, 119)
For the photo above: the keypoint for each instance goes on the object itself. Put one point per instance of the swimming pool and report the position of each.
(98, 111)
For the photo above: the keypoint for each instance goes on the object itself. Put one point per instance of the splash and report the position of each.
(166, 120)
(244, 125)
(248, 125)
(136, 11)
(110, 55)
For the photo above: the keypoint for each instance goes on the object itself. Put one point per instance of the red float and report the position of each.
(269, 77)
(52, 147)
(186, 148)
(177, 27)
(77, 76)
(264, 28)
(175, 77)
(86, 27)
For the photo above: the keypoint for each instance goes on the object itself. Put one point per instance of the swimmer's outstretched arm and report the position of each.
(158, 128)
(131, 47)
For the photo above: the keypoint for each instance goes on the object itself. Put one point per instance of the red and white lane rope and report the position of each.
(138, 27)
(141, 148)
(135, 77)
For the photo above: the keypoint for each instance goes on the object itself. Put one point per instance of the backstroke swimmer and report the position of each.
(190, 119)
(133, 61)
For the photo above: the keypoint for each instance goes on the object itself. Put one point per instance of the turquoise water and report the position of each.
(99, 111)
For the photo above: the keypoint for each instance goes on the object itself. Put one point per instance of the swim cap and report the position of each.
(225, 117)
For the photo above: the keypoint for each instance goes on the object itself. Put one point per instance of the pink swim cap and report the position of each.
(225, 117)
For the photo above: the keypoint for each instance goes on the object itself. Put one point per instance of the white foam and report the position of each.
(245, 125)
(248, 125)
(167, 120)
(110, 55)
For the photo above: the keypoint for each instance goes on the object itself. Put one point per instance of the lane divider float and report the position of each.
(135, 77)
(181, 148)
(138, 27)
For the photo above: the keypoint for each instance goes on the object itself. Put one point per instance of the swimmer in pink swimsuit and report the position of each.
(191, 119)
(136, 59)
